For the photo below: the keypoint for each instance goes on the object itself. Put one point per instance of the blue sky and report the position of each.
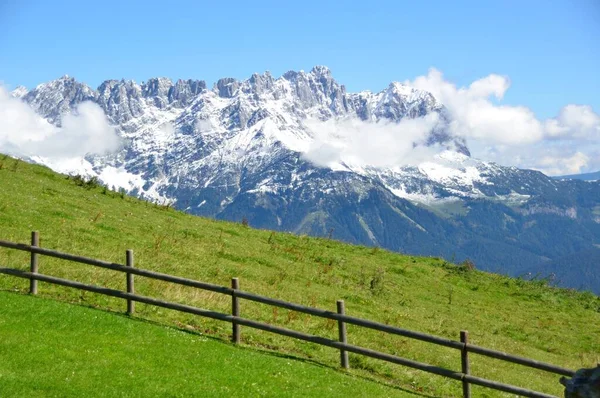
(521, 78)
(549, 49)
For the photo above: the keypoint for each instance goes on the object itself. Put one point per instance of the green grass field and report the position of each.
(67, 350)
(424, 294)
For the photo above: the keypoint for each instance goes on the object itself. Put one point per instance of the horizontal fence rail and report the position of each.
(236, 320)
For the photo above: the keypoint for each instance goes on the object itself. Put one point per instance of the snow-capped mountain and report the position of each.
(238, 150)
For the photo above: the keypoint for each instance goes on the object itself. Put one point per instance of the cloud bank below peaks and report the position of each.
(513, 135)
(360, 143)
(506, 134)
(475, 117)
(24, 133)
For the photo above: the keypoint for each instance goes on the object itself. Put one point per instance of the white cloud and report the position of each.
(551, 158)
(19, 124)
(24, 133)
(575, 122)
(360, 143)
(513, 135)
(491, 85)
(475, 116)
(557, 165)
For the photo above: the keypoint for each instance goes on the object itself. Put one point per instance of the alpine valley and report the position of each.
(238, 151)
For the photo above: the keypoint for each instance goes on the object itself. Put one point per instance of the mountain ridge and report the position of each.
(584, 176)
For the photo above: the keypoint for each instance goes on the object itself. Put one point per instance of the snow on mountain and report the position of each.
(55, 98)
(19, 92)
(183, 134)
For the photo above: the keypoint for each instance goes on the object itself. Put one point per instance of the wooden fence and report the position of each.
(464, 376)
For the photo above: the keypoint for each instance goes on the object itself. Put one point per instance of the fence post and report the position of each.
(130, 285)
(342, 335)
(235, 310)
(33, 283)
(464, 358)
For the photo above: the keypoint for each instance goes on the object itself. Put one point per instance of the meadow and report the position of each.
(425, 294)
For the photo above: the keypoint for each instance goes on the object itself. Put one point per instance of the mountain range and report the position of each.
(245, 150)
(585, 177)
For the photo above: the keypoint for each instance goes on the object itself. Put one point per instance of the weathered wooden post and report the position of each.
(235, 310)
(33, 283)
(342, 335)
(130, 285)
(464, 358)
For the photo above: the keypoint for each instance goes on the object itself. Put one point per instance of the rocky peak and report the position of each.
(401, 92)
(318, 88)
(290, 75)
(19, 92)
(121, 100)
(157, 90)
(334, 93)
(227, 87)
(184, 91)
(157, 86)
(321, 70)
(398, 101)
(57, 97)
(260, 84)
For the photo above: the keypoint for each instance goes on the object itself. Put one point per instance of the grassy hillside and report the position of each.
(56, 349)
(424, 294)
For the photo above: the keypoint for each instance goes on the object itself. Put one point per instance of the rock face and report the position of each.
(238, 151)
(584, 384)
(57, 97)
